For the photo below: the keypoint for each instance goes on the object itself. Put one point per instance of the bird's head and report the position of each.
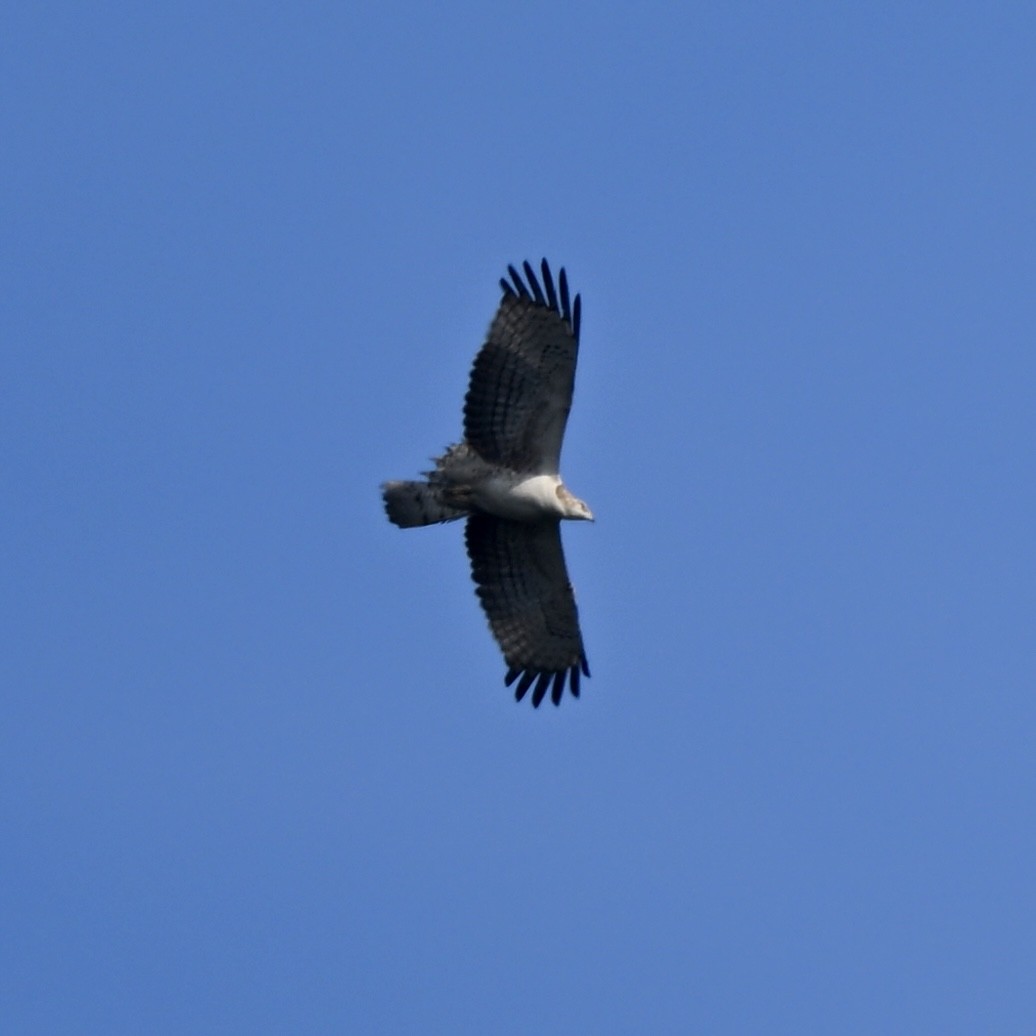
(572, 507)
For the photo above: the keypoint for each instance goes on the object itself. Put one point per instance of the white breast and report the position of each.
(522, 501)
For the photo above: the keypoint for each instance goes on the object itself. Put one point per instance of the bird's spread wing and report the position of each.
(521, 385)
(519, 570)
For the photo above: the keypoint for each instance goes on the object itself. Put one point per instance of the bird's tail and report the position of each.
(409, 504)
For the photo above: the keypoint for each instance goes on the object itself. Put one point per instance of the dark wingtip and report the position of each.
(566, 309)
(558, 690)
(556, 299)
(523, 685)
(541, 682)
(541, 688)
(537, 292)
(519, 284)
(548, 284)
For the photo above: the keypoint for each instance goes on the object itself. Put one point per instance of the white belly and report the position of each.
(526, 501)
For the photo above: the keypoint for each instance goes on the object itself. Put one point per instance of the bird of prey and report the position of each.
(503, 478)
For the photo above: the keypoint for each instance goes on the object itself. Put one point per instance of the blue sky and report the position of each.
(259, 769)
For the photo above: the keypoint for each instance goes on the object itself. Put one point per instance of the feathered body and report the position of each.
(504, 479)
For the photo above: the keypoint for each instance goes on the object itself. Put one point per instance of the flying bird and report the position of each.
(503, 478)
